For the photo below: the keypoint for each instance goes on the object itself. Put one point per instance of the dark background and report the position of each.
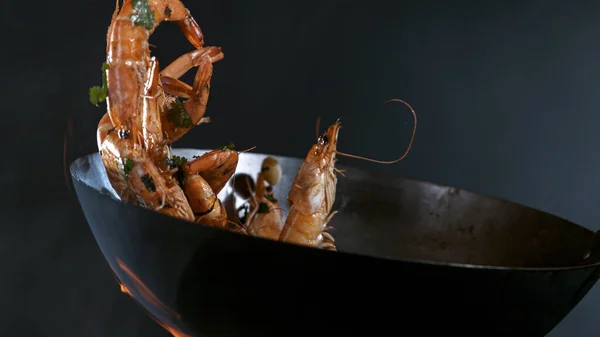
(506, 95)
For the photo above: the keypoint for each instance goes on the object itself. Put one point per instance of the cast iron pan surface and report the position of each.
(414, 258)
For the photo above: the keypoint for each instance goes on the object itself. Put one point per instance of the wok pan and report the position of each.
(411, 255)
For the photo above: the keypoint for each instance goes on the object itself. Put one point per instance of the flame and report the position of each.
(145, 292)
(125, 290)
(151, 299)
(172, 330)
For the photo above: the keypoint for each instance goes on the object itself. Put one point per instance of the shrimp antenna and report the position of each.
(237, 225)
(248, 150)
(409, 145)
(318, 122)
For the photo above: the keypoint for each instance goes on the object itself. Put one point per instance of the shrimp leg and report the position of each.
(266, 217)
(179, 117)
(174, 10)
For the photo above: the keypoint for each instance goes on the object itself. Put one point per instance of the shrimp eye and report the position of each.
(325, 140)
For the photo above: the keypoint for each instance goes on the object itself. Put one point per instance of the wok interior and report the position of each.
(388, 216)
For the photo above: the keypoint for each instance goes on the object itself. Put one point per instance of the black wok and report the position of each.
(412, 255)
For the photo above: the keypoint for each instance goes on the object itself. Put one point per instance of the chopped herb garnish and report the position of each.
(228, 146)
(99, 93)
(178, 116)
(149, 183)
(144, 15)
(270, 197)
(127, 166)
(263, 208)
(168, 11)
(176, 161)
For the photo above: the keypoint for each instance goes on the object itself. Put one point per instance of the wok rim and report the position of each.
(74, 176)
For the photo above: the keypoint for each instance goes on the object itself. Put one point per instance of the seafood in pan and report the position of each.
(148, 108)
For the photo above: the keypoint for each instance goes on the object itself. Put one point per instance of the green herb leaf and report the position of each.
(168, 11)
(144, 15)
(127, 166)
(149, 183)
(99, 93)
(228, 146)
(176, 161)
(178, 116)
(263, 208)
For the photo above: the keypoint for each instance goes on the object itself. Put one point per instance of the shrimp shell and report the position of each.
(312, 195)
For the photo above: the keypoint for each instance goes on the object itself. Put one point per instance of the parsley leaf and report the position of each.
(127, 166)
(148, 183)
(144, 15)
(176, 161)
(228, 146)
(178, 116)
(99, 93)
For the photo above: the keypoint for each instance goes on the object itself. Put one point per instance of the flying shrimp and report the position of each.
(313, 191)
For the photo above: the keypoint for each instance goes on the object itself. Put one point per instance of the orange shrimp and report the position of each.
(216, 166)
(134, 176)
(266, 217)
(202, 180)
(205, 204)
(134, 148)
(312, 195)
(128, 55)
(112, 148)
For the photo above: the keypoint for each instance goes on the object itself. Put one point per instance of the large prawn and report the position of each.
(143, 118)
(312, 194)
